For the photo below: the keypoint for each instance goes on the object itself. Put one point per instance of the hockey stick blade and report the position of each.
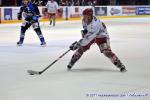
(31, 72)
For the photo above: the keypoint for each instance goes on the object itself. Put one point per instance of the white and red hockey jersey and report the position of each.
(52, 7)
(96, 29)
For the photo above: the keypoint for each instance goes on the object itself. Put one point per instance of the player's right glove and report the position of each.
(84, 32)
(19, 16)
(74, 46)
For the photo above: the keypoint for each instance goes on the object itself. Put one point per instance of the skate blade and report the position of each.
(19, 44)
(43, 45)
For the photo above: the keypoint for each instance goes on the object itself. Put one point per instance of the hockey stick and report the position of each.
(31, 72)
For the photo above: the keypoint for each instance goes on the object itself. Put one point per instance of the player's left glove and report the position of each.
(74, 46)
(84, 32)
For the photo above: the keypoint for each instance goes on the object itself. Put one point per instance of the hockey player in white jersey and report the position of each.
(52, 8)
(94, 32)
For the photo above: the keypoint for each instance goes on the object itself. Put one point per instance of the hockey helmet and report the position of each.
(88, 11)
(25, 1)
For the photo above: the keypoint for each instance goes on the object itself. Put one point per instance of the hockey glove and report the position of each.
(84, 32)
(35, 18)
(74, 46)
(19, 16)
(28, 18)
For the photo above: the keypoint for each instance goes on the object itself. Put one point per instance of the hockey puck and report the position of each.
(31, 74)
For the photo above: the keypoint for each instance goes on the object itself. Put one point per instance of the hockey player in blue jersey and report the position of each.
(31, 14)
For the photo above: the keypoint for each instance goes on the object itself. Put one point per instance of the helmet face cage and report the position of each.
(87, 15)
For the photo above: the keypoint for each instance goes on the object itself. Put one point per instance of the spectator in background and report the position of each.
(18, 2)
(94, 3)
(80, 2)
(67, 3)
(90, 3)
(106, 2)
(72, 3)
(112, 2)
(37, 2)
(44, 2)
(41, 2)
(83, 3)
(0, 2)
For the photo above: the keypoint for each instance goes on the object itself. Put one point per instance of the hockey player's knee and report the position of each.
(108, 53)
(36, 25)
(25, 26)
(81, 50)
(78, 53)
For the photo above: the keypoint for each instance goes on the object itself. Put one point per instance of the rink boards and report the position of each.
(9, 14)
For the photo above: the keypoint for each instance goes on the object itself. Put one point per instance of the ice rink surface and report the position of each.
(93, 77)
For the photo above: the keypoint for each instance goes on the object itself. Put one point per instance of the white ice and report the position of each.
(93, 76)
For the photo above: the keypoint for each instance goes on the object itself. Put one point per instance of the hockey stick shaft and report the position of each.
(54, 61)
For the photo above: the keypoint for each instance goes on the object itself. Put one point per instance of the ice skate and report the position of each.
(43, 44)
(69, 66)
(19, 43)
(53, 23)
(50, 22)
(122, 68)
